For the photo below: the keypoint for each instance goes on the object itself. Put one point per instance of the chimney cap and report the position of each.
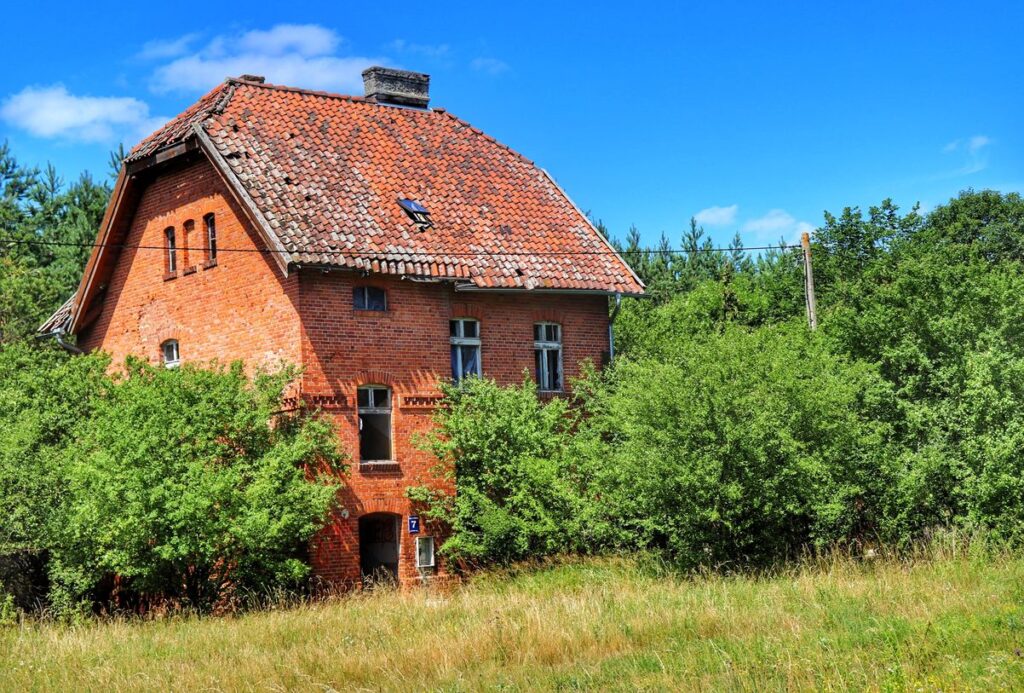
(398, 87)
(256, 79)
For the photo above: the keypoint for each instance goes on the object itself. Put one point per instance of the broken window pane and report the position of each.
(465, 348)
(369, 298)
(374, 404)
(547, 348)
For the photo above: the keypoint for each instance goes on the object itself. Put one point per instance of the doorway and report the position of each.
(378, 548)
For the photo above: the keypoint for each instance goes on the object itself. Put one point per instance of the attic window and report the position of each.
(169, 352)
(417, 212)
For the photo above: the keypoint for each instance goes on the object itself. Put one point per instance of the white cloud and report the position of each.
(282, 39)
(977, 142)
(717, 216)
(53, 112)
(776, 224)
(420, 49)
(975, 157)
(170, 48)
(293, 54)
(491, 66)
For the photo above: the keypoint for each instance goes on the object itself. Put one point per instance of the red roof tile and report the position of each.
(326, 172)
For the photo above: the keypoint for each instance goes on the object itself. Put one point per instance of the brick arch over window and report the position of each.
(547, 315)
(376, 377)
(395, 506)
(461, 309)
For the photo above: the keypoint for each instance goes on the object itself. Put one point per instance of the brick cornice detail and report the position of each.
(324, 401)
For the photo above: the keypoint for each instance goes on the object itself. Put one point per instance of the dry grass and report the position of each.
(952, 622)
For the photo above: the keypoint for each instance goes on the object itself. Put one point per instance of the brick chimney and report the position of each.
(398, 87)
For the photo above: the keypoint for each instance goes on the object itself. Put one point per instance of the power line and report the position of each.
(402, 253)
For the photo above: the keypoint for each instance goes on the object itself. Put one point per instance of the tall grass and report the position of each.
(950, 618)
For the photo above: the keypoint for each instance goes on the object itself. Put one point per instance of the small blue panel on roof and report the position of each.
(412, 206)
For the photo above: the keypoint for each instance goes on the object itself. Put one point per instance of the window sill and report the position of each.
(362, 312)
(378, 466)
(189, 270)
(168, 276)
(209, 264)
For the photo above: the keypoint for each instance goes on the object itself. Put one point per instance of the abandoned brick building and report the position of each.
(380, 244)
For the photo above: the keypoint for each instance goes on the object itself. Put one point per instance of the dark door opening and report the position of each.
(378, 548)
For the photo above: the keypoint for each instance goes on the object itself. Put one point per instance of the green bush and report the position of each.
(509, 455)
(189, 485)
(741, 445)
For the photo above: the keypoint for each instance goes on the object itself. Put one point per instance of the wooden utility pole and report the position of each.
(812, 306)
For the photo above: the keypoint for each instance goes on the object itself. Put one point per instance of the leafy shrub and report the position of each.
(45, 395)
(742, 445)
(186, 484)
(509, 456)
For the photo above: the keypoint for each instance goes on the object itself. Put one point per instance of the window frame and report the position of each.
(373, 409)
(459, 340)
(423, 539)
(364, 290)
(176, 361)
(210, 227)
(544, 347)
(171, 258)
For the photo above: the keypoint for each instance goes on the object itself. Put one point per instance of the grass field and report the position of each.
(951, 622)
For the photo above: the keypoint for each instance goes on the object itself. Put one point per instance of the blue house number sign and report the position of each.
(414, 524)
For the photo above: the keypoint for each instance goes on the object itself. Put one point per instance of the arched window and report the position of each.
(374, 405)
(187, 235)
(464, 338)
(547, 351)
(169, 353)
(211, 239)
(172, 250)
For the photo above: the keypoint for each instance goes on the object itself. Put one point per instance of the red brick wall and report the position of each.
(407, 349)
(242, 308)
(245, 309)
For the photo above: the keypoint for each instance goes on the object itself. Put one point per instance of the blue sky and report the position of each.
(753, 116)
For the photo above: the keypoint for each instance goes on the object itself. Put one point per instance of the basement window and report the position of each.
(374, 405)
(369, 298)
(424, 552)
(417, 212)
(169, 352)
(172, 250)
(547, 351)
(465, 347)
(211, 239)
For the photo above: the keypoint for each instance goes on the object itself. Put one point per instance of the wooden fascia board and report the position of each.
(237, 188)
(85, 287)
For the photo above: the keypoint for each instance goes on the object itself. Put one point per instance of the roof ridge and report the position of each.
(297, 90)
(489, 138)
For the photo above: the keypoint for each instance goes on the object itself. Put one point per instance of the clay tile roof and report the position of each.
(326, 171)
(60, 320)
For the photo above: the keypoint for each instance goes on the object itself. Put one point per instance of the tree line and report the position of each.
(726, 433)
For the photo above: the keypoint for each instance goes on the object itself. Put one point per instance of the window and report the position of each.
(369, 298)
(417, 212)
(169, 349)
(211, 239)
(424, 552)
(547, 350)
(374, 404)
(465, 341)
(172, 250)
